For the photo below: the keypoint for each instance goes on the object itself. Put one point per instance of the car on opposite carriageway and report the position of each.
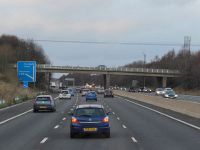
(170, 94)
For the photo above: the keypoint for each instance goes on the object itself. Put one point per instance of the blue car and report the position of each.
(71, 91)
(91, 95)
(89, 119)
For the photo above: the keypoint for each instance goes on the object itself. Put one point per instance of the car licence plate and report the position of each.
(90, 129)
(43, 107)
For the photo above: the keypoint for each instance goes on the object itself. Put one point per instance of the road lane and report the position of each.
(26, 132)
(132, 128)
(153, 131)
(12, 111)
(121, 139)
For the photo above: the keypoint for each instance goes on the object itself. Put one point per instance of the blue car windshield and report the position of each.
(89, 112)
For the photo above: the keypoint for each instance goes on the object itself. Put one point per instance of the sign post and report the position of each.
(26, 71)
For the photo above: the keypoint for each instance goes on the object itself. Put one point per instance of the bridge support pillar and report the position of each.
(47, 79)
(164, 82)
(106, 81)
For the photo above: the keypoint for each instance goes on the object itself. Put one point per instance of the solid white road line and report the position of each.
(2, 122)
(15, 105)
(44, 140)
(124, 126)
(57, 126)
(133, 139)
(163, 114)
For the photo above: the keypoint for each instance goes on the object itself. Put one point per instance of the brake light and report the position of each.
(105, 120)
(74, 120)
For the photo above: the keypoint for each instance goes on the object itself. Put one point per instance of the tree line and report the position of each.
(13, 49)
(186, 61)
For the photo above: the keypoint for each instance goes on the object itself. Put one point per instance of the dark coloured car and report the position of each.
(89, 119)
(91, 95)
(108, 93)
(132, 89)
(145, 90)
(44, 102)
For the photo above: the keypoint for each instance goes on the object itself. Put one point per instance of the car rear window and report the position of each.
(89, 112)
(47, 99)
(91, 93)
(159, 89)
(108, 91)
(64, 92)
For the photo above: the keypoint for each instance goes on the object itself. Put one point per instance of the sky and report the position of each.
(135, 21)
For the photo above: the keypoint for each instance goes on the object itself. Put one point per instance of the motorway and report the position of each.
(133, 127)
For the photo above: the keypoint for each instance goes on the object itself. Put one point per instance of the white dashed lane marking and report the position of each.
(133, 139)
(57, 126)
(44, 140)
(124, 126)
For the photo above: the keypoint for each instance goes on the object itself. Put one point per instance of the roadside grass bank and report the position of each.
(12, 94)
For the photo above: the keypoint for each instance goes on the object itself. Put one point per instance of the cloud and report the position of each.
(171, 2)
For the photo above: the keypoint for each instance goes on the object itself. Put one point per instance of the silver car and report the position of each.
(44, 102)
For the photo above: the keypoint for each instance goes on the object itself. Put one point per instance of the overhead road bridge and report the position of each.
(145, 72)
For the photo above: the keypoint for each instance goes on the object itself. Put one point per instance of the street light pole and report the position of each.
(144, 67)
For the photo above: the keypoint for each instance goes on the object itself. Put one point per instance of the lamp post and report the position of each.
(144, 67)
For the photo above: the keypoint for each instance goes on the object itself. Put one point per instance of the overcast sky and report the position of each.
(148, 21)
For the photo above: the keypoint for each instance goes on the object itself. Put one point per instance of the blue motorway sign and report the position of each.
(26, 71)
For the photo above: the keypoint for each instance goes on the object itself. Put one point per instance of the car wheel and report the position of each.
(72, 135)
(34, 110)
(107, 135)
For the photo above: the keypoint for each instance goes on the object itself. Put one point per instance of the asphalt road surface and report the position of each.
(133, 127)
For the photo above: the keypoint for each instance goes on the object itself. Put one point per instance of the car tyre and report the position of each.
(107, 135)
(72, 135)
(34, 110)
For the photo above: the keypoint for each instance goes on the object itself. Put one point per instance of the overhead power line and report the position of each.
(113, 43)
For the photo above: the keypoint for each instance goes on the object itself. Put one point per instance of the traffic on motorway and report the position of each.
(88, 118)
(105, 120)
(99, 74)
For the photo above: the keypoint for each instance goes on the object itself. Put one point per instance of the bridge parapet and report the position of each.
(117, 69)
